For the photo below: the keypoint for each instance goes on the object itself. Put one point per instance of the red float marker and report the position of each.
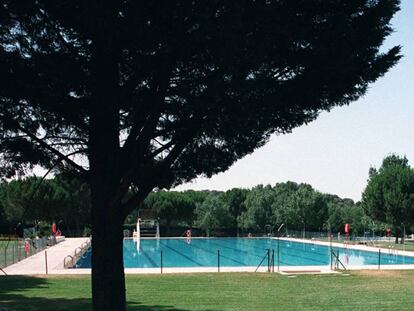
(347, 231)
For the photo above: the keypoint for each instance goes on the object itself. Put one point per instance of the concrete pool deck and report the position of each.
(35, 265)
(361, 247)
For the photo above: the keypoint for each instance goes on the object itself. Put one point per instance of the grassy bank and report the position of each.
(363, 290)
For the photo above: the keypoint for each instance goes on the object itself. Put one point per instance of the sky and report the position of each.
(334, 153)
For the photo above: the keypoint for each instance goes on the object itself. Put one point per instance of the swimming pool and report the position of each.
(239, 252)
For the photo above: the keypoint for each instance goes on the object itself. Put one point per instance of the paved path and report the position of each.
(375, 249)
(55, 255)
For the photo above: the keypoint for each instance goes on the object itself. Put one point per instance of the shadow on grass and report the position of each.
(14, 289)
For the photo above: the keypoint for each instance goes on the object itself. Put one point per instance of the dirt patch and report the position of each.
(60, 276)
(381, 273)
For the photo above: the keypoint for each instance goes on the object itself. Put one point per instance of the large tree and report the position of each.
(150, 94)
(389, 195)
(299, 205)
(258, 213)
(171, 207)
(213, 213)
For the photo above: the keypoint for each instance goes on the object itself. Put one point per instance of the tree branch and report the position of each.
(161, 149)
(163, 167)
(60, 155)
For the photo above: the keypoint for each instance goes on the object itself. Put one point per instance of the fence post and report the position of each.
(278, 254)
(330, 249)
(273, 260)
(379, 258)
(337, 260)
(46, 261)
(218, 260)
(161, 262)
(268, 260)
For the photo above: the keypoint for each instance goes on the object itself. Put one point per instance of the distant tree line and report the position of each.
(35, 202)
(260, 210)
(388, 201)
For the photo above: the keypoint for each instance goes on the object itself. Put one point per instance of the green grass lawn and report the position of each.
(392, 290)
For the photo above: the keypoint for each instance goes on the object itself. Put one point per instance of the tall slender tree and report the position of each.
(389, 195)
(150, 94)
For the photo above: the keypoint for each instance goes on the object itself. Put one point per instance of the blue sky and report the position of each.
(334, 153)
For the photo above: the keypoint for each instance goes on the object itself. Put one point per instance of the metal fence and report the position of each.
(13, 249)
(326, 236)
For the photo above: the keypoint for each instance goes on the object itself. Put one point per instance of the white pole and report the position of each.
(157, 235)
(138, 229)
(138, 241)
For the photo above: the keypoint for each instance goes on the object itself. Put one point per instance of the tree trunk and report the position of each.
(108, 279)
(106, 162)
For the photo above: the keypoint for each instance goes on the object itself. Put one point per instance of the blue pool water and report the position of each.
(238, 252)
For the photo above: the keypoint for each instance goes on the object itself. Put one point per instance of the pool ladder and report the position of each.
(70, 260)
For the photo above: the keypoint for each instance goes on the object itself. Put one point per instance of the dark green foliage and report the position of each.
(296, 205)
(173, 208)
(345, 211)
(258, 209)
(208, 83)
(213, 213)
(299, 205)
(63, 199)
(389, 195)
(235, 200)
(71, 203)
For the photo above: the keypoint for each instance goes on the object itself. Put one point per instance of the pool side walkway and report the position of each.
(362, 248)
(36, 264)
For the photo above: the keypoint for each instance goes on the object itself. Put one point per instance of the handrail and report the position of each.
(79, 251)
(337, 259)
(65, 263)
